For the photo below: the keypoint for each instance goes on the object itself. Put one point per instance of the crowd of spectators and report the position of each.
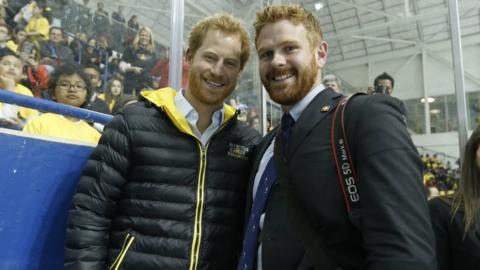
(439, 177)
(119, 56)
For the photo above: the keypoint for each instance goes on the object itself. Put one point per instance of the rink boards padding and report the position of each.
(38, 178)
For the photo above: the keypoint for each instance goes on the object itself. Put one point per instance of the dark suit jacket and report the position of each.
(395, 230)
(453, 250)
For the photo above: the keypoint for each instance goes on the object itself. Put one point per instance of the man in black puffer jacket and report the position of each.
(165, 187)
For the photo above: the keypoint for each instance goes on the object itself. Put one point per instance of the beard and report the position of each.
(207, 96)
(293, 92)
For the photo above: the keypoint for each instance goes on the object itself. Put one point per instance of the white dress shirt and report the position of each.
(191, 115)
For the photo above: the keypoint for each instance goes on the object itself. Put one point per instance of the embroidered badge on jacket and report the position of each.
(238, 151)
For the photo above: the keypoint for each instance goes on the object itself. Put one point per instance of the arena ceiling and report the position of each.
(354, 28)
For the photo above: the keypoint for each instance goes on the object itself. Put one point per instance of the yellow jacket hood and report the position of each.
(164, 99)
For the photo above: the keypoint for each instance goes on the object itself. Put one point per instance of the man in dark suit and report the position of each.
(393, 229)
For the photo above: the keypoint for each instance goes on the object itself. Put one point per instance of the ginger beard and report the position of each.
(289, 93)
(207, 96)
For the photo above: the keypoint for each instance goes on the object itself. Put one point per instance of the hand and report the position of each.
(48, 61)
(31, 62)
(10, 122)
(7, 83)
(136, 70)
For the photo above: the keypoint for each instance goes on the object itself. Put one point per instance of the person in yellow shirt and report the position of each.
(11, 72)
(38, 26)
(113, 93)
(19, 35)
(68, 85)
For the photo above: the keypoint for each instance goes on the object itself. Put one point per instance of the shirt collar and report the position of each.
(182, 105)
(297, 109)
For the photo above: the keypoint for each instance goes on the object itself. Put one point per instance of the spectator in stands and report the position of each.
(53, 52)
(90, 55)
(3, 11)
(67, 11)
(5, 35)
(11, 72)
(118, 15)
(133, 23)
(38, 26)
(36, 73)
(95, 104)
(69, 86)
(137, 61)
(77, 45)
(161, 71)
(169, 176)
(113, 69)
(12, 8)
(118, 28)
(104, 49)
(113, 93)
(19, 35)
(132, 29)
(384, 84)
(333, 82)
(455, 219)
(253, 118)
(25, 11)
(101, 21)
(84, 18)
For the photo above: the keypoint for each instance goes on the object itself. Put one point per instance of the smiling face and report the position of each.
(214, 70)
(289, 66)
(143, 38)
(70, 90)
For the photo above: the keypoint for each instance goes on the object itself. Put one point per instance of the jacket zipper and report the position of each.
(121, 255)
(197, 231)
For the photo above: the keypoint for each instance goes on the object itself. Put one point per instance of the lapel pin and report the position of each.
(325, 108)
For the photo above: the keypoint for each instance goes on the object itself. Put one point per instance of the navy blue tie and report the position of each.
(286, 129)
(269, 176)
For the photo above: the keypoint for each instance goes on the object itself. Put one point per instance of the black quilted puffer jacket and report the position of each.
(152, 197)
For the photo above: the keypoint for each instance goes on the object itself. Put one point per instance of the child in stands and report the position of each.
(67, 85)
(11, 72)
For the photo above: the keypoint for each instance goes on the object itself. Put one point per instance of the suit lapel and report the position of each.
(321, 106)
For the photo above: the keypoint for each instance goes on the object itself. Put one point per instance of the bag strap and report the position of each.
(346, 173)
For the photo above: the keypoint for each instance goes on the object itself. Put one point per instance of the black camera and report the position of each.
(380, 89)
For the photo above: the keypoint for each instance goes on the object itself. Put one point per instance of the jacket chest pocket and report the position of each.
(123, 252)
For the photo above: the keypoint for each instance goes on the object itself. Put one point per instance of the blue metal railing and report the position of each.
(51, 106)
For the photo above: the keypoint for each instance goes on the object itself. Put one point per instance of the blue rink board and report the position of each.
(37, 181)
